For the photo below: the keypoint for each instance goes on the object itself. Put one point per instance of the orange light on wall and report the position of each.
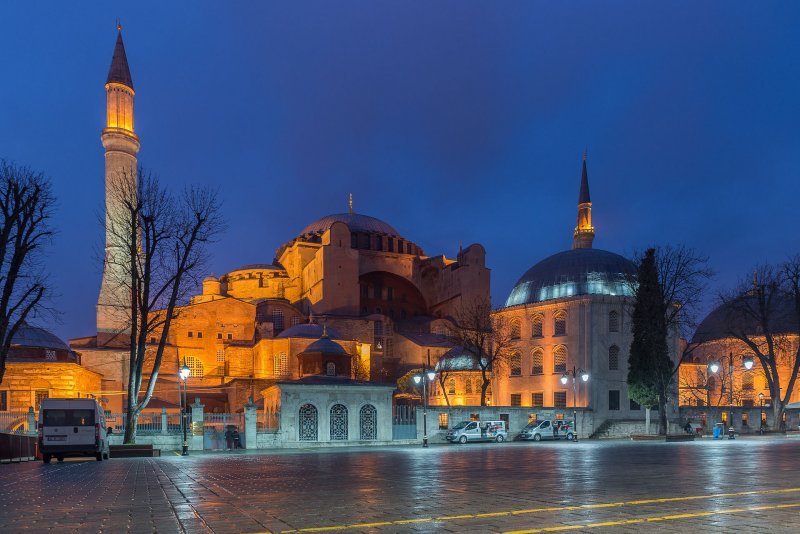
(119, 106)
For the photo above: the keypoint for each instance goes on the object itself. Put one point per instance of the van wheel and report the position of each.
(570, 437)
(462, 440)
(46, 458)
(537, 437)
(499, 439)
(99, 456)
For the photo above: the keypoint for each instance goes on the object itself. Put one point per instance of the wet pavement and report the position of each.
(744, 485)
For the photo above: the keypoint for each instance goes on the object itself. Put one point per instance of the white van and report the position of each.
(478, 431)
(72, 427)
(549, 429)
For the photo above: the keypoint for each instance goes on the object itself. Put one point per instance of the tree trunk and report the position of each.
(130, 426)
(646, 419)
(777, 414)
(662, 415)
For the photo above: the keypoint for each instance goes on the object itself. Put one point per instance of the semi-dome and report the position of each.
(33, 337)
(308, 330)
(355, 221)
(580, 271)
(733, 317)
(459, 359)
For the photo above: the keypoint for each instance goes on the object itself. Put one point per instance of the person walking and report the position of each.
(228, 439)
(236, 438)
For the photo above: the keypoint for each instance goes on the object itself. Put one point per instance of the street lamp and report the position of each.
(714, 367)
(761, 414)
(184, 374)
(564, 379)
(429, 374)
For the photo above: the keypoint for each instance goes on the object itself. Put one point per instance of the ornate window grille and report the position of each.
(195, 366)
(516, 364)
(560, 359)
(537, 361)
(537, 326)
(613, 321)
(560, 324)
(277, 321)
(613, 358)
(339, 422)
(368, 422)
(308, 423)
(516, 329)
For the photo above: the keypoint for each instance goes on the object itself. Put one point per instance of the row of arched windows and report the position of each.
(308, 423)
(537, 361)
(559, 324)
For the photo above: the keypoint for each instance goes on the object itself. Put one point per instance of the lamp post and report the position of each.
(184, 374)
(429, 374)
(761, 415)
(714, 367)
(564, 379)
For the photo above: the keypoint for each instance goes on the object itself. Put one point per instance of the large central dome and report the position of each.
(355, 221)
(580, 271)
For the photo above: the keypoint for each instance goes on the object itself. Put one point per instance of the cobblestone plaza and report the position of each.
(745, 485)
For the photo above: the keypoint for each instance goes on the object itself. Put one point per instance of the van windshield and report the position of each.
(68, 418)
(461, 425)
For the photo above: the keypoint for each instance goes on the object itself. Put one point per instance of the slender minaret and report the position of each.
(584, 231)
(121, 145)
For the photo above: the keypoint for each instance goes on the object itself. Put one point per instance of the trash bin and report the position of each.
(719, 430)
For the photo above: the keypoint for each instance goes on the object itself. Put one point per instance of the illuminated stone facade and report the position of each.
(568, 312)
(349, 271)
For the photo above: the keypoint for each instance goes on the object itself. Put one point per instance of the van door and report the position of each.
(472, 431)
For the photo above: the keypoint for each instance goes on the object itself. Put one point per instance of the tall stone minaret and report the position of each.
(584, 231)
(121, 145)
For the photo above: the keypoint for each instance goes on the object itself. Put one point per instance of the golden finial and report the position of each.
(350, 204)
(119, 25)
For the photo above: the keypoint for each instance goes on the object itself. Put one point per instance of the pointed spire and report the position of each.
(583, 196)
(119, 71)
(350, 205)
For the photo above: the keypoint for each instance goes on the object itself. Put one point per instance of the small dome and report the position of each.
(34, 337)
(308, 330)
(355, 221)
(580, 271)
(731, 317)
(325, 345)
(459, 359)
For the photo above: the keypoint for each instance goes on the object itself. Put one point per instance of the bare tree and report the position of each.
(162, 240)
(765, 316)
(26, 206)
(485, 336)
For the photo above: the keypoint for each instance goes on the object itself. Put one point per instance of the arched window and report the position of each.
(195, 366)
(516, 364)
(277, 321)
(451, 386)
(516, 329)
(330, 369)
(613, 321)
(307, 427)
(468, 386)
(338, 422)
(368, 422)
(560, 323)
(613, 358)
(560, 359)
(537, 325)
(747, 382)
(537, 361)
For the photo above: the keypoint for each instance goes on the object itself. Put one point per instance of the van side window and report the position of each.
(471, 426)
(545, 424)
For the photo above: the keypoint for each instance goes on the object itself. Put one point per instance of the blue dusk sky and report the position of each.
(455, 122)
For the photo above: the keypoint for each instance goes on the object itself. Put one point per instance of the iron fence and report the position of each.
(14, 422)
(148, 424)
(404, 422)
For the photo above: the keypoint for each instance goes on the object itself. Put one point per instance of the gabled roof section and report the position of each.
(119, 71)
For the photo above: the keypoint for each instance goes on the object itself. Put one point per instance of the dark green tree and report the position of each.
(650, 369)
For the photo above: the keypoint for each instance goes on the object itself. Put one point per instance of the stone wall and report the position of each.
(56, 379)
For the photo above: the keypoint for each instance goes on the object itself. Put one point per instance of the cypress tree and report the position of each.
(649, 365)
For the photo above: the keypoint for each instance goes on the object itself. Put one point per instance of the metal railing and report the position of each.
(148, 424)
(14, 422)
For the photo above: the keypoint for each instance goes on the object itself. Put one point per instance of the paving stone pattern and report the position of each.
(418, 490)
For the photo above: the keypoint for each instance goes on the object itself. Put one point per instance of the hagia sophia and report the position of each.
(352, 299)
